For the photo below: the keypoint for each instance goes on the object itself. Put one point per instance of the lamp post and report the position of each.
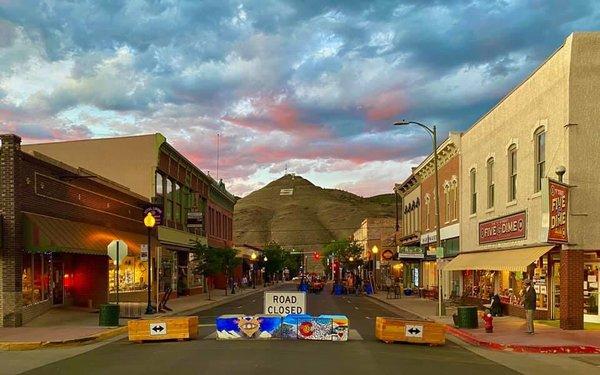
(374, 250)
(265, 259)
(253, 257)
(433, 132)
(149, 222)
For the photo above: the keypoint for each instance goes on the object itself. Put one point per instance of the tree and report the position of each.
(275, 258)
(208, 262)
(343, 251)
(229, 260)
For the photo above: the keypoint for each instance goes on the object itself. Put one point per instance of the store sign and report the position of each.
(283, 303)
(156, 212)
(504, 228)
(555, 212)
(410, 252)
(387, 254)
(195, 219)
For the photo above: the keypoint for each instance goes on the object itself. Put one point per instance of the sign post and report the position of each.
(283, 303)
(114, 250)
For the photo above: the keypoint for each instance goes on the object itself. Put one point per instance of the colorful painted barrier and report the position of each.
(289, 327)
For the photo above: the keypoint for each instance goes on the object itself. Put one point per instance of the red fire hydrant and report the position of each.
(488, 318)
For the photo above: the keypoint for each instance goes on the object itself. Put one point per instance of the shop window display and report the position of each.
(591, 272)
(35, 278)
(132, 275)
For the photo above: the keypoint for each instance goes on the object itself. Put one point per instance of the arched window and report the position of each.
(490, 183)
(447, 202)
(454, 198)
(473, 180)
(540, 157)
(427, 211)
(512, 172)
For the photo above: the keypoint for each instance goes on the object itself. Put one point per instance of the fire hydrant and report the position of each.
(488, 319)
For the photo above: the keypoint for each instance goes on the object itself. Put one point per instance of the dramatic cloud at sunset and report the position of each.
(311, 85)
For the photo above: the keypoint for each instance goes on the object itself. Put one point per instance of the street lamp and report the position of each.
(253, 256)
(374, 250)
(265, 259)
(149, 222)
(433, 133)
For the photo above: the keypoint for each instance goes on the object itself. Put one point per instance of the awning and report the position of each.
(45, 233)
(516, 260)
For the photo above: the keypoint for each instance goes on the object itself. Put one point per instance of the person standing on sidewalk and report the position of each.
(529, 302)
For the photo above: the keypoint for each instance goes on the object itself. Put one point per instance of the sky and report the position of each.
(311, 86)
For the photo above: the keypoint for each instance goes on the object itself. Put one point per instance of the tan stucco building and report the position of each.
(549, 121)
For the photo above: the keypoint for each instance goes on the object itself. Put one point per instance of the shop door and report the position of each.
(58, 278)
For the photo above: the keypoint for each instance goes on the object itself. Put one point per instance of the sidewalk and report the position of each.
(75, 326)
(509, 331)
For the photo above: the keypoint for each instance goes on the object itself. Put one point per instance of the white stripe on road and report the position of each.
(207, 325)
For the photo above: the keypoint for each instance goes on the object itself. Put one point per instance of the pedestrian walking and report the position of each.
(359, 285)
(529, 302)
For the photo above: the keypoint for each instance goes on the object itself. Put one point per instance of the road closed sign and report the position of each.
(283, 303)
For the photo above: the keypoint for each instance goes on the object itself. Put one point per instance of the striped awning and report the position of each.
(516, 260)
(50, 234)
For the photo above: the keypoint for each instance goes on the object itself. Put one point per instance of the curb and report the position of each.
(32, 345)
(113, 332)
(515, 348)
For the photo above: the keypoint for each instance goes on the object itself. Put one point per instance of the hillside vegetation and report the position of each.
(308, 219)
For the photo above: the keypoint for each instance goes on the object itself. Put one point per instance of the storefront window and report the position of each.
(195, 278)
(35, 278)
(133, 275)
(429, 275)
(590, 288)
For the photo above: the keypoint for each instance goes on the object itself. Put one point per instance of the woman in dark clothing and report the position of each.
(496, 307)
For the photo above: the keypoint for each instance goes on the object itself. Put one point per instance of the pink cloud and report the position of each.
(385, 105)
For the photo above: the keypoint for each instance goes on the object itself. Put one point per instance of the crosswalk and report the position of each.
(353, 335)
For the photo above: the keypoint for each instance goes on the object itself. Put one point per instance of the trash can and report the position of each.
(338, 289)
(369, 289)
(109, 315)
(467, 317)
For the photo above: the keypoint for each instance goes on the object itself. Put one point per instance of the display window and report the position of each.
(133, 275)
(36, 278)
(430, 275)
(590, 288)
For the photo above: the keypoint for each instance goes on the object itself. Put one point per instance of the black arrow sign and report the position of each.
(414, 331)
(158, 328)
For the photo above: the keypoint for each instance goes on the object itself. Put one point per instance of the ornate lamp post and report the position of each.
(149, 222)
(253, 257)
(374, 250)
(433, 132)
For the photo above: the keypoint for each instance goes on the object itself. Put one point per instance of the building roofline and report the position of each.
(95, 139)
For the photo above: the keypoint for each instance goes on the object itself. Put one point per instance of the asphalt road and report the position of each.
(363, 354)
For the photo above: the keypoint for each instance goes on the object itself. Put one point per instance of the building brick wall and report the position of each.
(11, 312)
(571, 289)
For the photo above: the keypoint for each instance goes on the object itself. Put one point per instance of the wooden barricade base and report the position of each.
(391, 330)
(178, 328)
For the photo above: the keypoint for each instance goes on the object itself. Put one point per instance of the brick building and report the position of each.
(56, 224)
(409, 252)
(448, 174)
(154, 169)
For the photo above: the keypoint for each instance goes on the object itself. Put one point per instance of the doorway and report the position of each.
(58, 284)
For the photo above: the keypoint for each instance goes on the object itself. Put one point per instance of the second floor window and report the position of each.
(512, 173)
(490, 183)
(540, 158)
(473, 180)
(159, 184)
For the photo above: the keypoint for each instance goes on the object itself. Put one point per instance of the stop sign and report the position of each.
(117, 250)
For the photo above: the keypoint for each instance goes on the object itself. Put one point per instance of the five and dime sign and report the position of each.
(504, 228)
(555, 211)
(283, 303)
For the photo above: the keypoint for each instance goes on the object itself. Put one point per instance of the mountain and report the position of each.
(308, 218)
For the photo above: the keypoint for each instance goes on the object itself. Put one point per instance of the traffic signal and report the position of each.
(316, 255)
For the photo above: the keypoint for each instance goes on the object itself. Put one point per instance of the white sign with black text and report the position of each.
(283, 303)
(158, 329)
(144, 252)
(411, 330)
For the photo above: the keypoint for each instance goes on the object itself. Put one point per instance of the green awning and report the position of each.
(50, 234)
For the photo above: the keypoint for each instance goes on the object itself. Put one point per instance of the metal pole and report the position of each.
(438, 241)
(117, 273)
(149, 308)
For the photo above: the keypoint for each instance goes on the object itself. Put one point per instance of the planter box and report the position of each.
(422, 332)
(173, 328)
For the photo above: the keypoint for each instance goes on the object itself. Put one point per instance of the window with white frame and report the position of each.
(540, 158)
(473, 180)
(427, 211)
(490, 183)
(512, 173)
